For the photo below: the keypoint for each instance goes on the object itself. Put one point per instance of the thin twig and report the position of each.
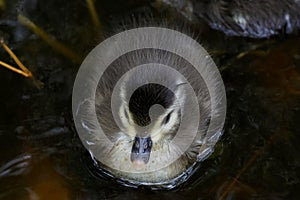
(49, 40)
(15, 58)
(24, 71)
(252, 159)
(14, 69)
(2, 5)
(94, 15)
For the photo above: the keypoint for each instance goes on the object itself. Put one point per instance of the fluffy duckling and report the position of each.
(256, 19)
(153, 106)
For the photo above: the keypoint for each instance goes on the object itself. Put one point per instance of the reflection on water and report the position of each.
(41, 156)
(15, 167)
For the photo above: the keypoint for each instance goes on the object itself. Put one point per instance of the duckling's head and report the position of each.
(151, 117)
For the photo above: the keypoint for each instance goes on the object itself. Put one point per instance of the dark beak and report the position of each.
(140, 152)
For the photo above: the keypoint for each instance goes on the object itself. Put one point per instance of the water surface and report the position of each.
(41, 157)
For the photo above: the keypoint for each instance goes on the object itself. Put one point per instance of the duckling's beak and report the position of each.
(140, 152)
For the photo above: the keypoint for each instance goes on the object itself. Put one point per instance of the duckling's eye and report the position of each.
(167, 118)
(126, 114)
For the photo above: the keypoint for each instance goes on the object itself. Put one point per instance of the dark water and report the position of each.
(41, 157)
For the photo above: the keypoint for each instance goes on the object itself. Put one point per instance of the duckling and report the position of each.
(256, 19)
(160, 115)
